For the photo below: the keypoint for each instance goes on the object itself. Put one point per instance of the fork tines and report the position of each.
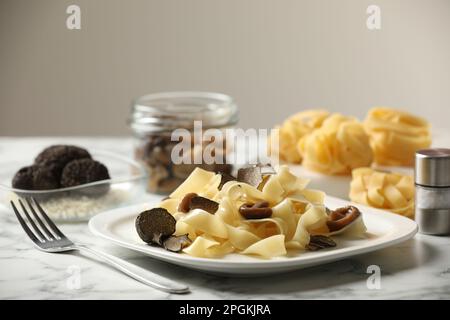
(45, 230)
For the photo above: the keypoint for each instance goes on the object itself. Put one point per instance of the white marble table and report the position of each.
(418, 268)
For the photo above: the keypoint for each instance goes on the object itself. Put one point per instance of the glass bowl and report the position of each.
(79, 203)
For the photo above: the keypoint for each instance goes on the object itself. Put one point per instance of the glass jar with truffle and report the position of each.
(156, 117)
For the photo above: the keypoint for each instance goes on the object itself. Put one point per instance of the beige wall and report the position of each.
(275, 57)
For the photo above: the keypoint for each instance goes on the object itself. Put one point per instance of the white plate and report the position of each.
(384, 229)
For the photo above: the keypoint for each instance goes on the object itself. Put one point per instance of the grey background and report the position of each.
(274, 57)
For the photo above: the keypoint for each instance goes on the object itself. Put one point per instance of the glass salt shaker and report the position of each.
(432, 180)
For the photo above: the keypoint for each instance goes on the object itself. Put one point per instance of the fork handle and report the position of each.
(143, 275)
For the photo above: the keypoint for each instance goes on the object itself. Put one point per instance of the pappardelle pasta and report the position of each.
(384, 190)
(396, 135)
(265, 216)
(293, 129)
(334, 144)
(339, 146)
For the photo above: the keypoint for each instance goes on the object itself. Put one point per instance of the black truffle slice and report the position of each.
(256, 175)
(204, 204)
(318, 242)
(250, 175)
(177, 243)
(60, 155)
(23, 179)
(83, 171)
(155, 225)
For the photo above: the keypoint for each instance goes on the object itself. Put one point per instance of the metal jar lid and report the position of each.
(167, 111)
(433, 167)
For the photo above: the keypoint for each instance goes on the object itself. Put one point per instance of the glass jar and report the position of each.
(155, 117)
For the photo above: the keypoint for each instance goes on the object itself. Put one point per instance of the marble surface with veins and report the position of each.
(418, 268)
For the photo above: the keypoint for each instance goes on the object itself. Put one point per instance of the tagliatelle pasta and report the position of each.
(396, 135)
(269, 247)
(293, 129)
(339, 146)
(391, 191)
(297, 213)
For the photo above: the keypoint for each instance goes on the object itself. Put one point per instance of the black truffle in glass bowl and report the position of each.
(49, 164)
(36, 177)
(89, 186)
(83, 171)
(58, 156)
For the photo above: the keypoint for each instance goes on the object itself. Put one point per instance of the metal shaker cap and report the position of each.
(433, 167)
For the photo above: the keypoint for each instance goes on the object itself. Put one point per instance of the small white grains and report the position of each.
(75, 208)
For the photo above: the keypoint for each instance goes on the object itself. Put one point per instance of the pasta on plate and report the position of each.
(266, 220)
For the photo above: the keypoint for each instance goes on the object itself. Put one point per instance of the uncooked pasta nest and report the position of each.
(379, 189)
(337, 147)
(293, 129)
(336, 144)
(261, 213)
(395, 136)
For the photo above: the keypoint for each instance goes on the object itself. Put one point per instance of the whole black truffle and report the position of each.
(23, 179)
(155, 225)
(58, 156)
(36, 177)
(83, 171)
(45, 177)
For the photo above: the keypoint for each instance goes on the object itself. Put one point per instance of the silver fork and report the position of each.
(47, 237)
